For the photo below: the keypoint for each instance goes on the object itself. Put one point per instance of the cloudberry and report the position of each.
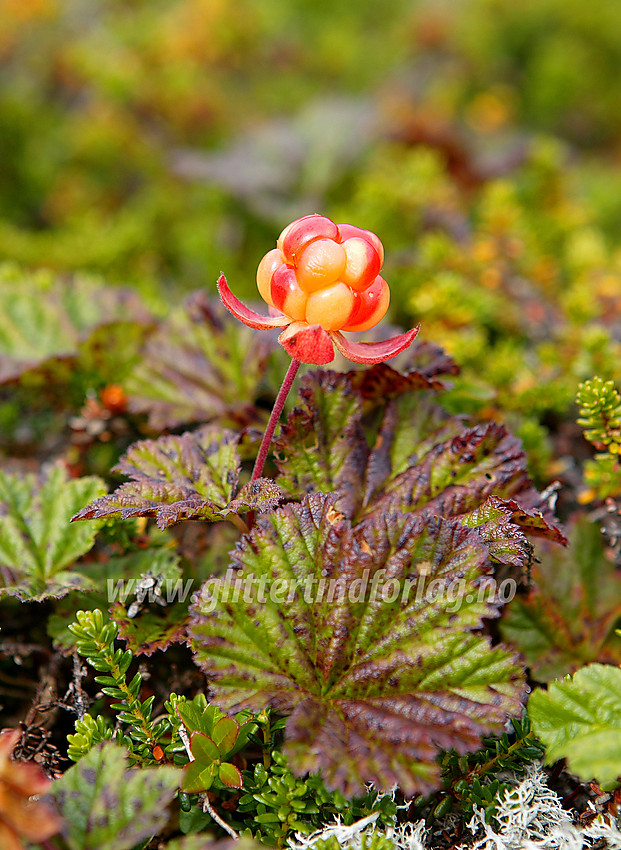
(326, 274)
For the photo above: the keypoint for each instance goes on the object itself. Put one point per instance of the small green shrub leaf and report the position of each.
(38, 546)
(567, 618)
(203, 748)
(225, 734)
(230, 775)
(579, 719)
(374, 681)
(104, 804)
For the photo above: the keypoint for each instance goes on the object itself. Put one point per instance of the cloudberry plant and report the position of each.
(320, 279)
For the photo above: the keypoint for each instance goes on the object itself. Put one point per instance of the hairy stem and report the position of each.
(275, 416)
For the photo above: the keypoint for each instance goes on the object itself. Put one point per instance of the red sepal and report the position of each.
(370, 353)
(245, 314)
(307, 343)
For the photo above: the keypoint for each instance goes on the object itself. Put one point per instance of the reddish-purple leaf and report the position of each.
(192, 476)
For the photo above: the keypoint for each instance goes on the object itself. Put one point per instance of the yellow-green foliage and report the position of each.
(600, 416)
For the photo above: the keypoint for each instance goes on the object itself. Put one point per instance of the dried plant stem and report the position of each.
(207, 807)
(257, 472)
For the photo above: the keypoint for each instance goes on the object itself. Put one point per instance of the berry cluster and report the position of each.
(326, 274)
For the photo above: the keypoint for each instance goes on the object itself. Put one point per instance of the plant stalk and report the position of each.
(257, 472)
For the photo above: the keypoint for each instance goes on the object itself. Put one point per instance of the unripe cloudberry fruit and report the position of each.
(326, 274)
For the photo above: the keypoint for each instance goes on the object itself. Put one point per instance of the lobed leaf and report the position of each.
(567, 618)
(579, 719)
(116, 581)
(59, 339)
(384, 446)
(197, 367)
(457, 475)
(37, 543)
(105, 804)
(44, 331)
(152, 629)
(374, 682)
(322, 445)
(192, 476)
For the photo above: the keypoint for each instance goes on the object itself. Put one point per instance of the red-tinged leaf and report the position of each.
(22, 819)
(374, 682)
(230, 775)
(567, 618)
(381, 382)
(307, 343)
(322, 445)
(225, 734)
(369, 353)
(503, 523)
(421, 459)
(537, 520)
(155, 627)
(200, 366)
(245, 314)
(260, 495)
(198, 777)
(457, 475)
(203, 748)
(429, 360)
(412, 426)
(192, 476)
(105, 804)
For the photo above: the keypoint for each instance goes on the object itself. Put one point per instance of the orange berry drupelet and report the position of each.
(326, 274)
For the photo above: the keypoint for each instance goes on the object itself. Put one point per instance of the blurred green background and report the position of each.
(160, 141)
(156, 143)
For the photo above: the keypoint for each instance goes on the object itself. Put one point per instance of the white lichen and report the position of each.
(529, 816)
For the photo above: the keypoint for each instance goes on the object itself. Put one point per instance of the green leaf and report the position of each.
(600, 412)
(116, 581)
(192, 476)
(200, 366)
(104, 804)
(579, 719)
(457, 475)
(37, 542)
(198, 719)
(567, 618)
(154, 628)
(374, 682)
(230, 775)
(204, 749)
(225, 734)
(45, 324)
(322, 445)
(198, 776)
